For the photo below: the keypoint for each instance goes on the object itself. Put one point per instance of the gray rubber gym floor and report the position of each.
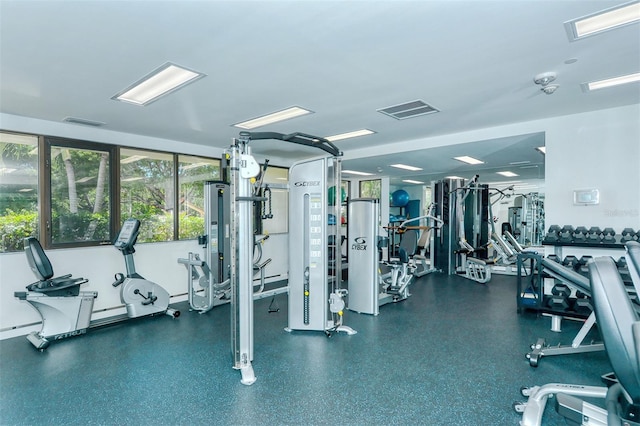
(452, 354)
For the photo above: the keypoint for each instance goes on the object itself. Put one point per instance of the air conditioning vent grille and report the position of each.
(408, 110)
(83, 121)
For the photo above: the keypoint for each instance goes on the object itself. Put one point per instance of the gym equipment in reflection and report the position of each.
(460, 243)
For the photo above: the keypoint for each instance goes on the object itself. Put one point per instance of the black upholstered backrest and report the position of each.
(408, 244)
(38, 260)
(615, 316)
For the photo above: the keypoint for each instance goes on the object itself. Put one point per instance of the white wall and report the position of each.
(598, 150)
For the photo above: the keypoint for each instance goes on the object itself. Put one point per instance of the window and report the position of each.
(18, 190)
(72, 193)
(192, 173)
(426, 200)
(147, 192)
(79, 194)
(371, 188)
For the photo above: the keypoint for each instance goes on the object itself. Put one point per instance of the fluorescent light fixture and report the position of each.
(603, 21)
(405, 167)
(159, 82)
(25, 190)
(468, 160)
(348, 135)
(507, 174)
(275, 117)
(453, 177)
(354, 172)
(542, 149)
(132, 179)
(610, 82)
(417, 182)
(518, 163)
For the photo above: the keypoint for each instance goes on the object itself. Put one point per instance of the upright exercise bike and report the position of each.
(140, 296)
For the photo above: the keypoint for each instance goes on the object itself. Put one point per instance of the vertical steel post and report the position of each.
(242, 169)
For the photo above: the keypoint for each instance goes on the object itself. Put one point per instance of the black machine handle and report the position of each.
(297, 138)
(119, 279)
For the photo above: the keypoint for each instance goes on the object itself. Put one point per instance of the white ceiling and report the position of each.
(473, 60)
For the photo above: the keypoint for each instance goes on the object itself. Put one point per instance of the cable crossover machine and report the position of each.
(311, 305)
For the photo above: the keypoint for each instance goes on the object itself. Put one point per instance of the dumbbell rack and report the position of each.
(531, 295)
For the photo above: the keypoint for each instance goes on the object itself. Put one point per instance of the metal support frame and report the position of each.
(242, 168)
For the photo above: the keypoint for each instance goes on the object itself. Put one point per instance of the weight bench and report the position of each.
(581, 283)
(620, 324)
(578, 282)
(633, 263)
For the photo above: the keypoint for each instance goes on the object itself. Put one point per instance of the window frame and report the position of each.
(45, 196)
(44, 231)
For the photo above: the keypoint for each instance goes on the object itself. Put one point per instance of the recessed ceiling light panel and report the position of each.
(604, 20)
(417, 182)
(610, 82)
(354, 172)
(468, 160)
(275, 117)
(507, 174)
(405, 167)
(348, 135)
(160, 82)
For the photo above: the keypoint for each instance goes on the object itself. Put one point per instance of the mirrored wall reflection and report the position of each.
(519, 209)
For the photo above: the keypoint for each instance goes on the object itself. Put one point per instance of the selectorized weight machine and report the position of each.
(208, 279)
(315, 294)
(460, 243)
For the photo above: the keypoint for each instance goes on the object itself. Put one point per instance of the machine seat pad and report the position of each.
(60, 286)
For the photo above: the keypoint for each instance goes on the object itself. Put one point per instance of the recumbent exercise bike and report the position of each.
(66, 311)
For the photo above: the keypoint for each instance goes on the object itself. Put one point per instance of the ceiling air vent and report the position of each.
(83, 121)
(408, 110)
